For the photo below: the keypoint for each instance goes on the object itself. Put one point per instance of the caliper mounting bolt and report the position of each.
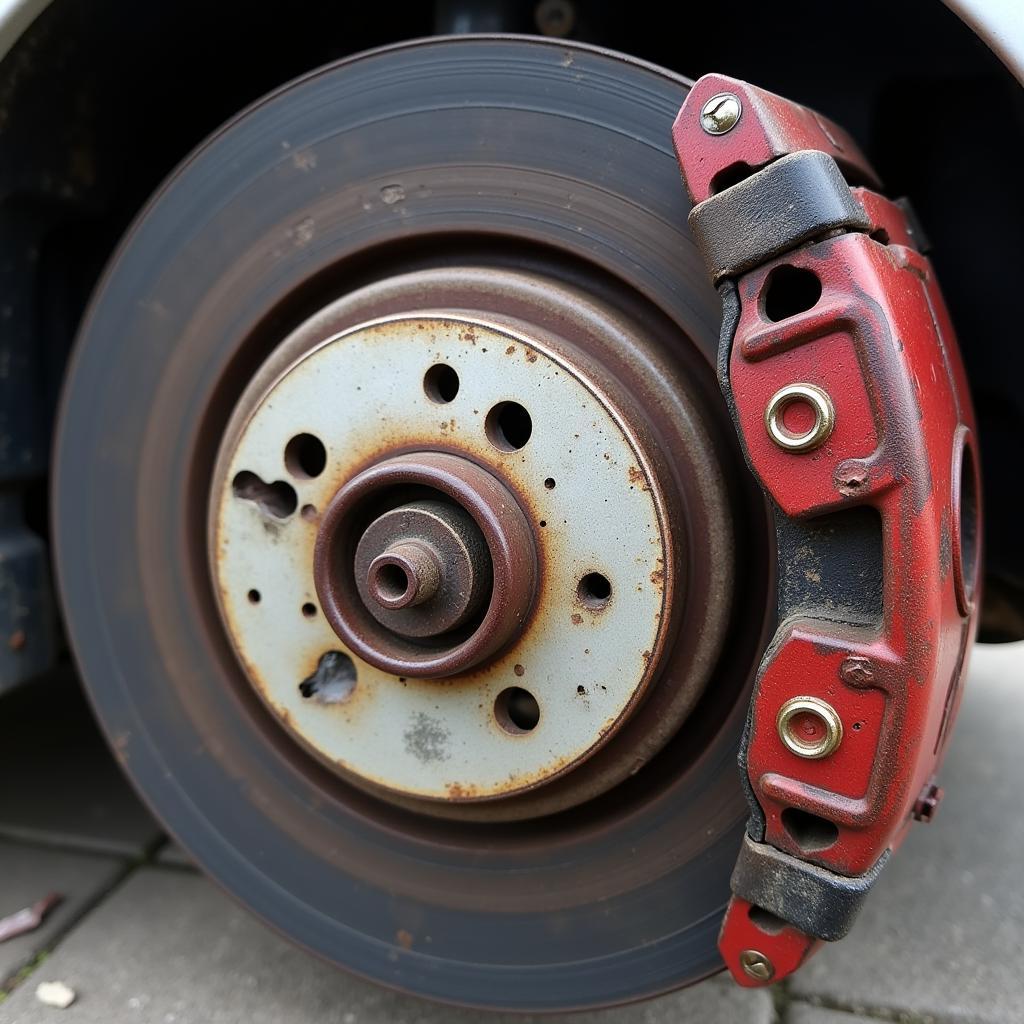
(756, 965)
(721, 113)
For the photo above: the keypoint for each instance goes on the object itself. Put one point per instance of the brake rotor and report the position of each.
(396, 529)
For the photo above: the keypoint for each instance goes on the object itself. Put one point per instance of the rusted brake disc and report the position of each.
(399, 517)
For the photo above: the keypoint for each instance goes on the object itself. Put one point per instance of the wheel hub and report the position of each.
(489, 568)
(447, 580)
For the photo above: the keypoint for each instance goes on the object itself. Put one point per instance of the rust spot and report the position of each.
(404, 938)
(510, 350)
(636, 477)
(658, 577)
(121, 747)
(646, 655)
(851, 479)
(531, 357)
(457, 791)
(576, 618)
(302, 233)
(857, 671)
(518, 669)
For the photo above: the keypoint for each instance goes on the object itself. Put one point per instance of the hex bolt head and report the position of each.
(405, 575)
(857, 671)
(721, 113)
(757, 966)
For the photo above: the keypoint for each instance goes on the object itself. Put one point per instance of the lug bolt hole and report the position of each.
(508, 426)
(550, 483)
(254, 596)
(516, 710)
(309, 609)
(392, 581)
(305, 456)
(441, 383)
(594, 590)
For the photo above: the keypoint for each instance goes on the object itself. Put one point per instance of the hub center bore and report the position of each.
(423, 568)
(432, 586)
(492, 565)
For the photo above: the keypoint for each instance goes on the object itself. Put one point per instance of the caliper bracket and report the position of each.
(841, 370)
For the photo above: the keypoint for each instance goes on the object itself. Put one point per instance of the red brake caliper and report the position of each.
(841, 369)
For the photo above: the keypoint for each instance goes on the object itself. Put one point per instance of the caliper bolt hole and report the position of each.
(788, 291)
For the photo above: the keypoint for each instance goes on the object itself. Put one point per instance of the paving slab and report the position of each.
(941, 935)
(61, 786)
(168, 948)
(27, 874)
(804, 1013)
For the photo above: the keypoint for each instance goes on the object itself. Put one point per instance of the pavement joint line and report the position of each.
(881, 1013)
(164, 865)
(15, 980)
(781, 998)
(32, 841)
(39, 841)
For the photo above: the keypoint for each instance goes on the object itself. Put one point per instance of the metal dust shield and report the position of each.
(452, 450)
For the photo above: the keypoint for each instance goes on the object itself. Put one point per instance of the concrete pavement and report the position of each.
(143, 938)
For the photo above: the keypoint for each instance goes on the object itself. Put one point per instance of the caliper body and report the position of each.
(841, 370)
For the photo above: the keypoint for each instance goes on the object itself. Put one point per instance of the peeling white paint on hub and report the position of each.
(362, 394)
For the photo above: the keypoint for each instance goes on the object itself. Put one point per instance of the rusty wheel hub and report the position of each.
(480, 548)
(434, 586)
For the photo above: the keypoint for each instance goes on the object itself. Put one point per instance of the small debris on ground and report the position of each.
(29, 919)
(55, 993)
